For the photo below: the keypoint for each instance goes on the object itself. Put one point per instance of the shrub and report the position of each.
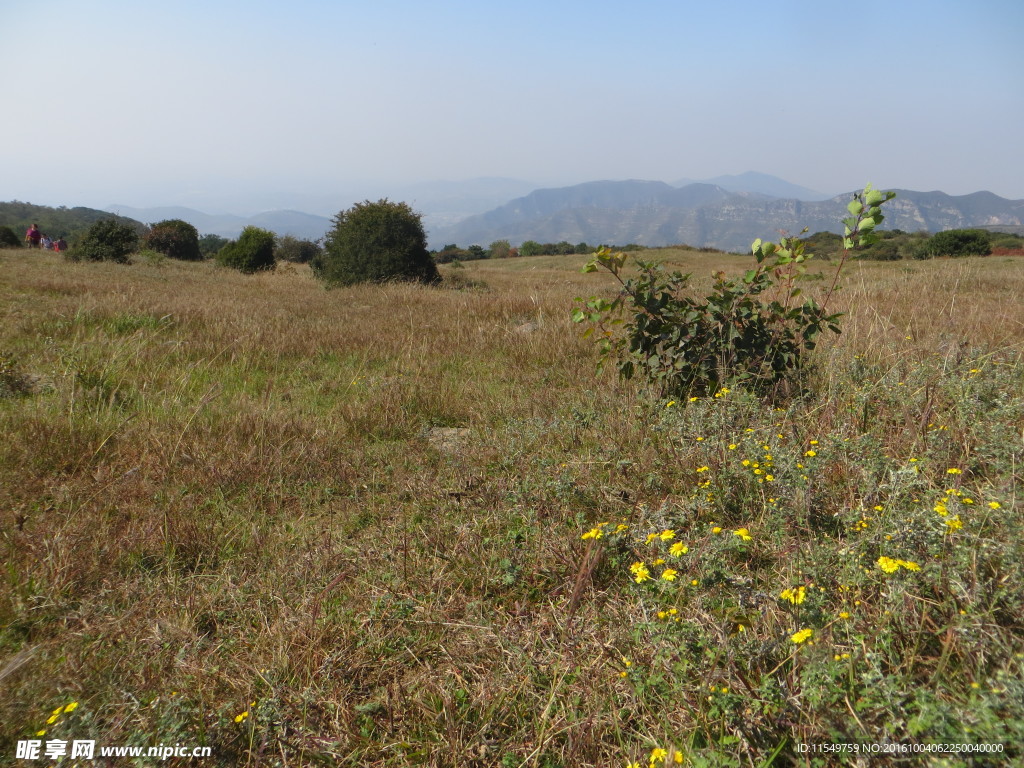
(689, 347)
(960, 242)
(500, 249)
(376, 242)
(296, 250)
(209, 245)
(531, 248)
(174, 238)
(8, 238)
(451, 254)
(106, 240)
(253, 251)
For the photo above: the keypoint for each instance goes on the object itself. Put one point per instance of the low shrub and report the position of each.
(690, 347)
(174, 238)
(253, 251)
(106, 240)
(9, 238)
(960, 242)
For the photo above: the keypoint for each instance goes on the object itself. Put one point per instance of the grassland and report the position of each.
(310, 527)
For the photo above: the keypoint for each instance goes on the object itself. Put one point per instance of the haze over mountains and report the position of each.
(727, 212)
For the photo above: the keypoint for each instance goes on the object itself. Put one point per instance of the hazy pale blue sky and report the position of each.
(145, 103)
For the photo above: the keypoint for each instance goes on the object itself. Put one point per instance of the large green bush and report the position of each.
(376, 242)
(253, 251)
(106, 240)
(174, 238)
(960, 242)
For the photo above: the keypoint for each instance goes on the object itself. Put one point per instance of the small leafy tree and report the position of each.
(500, 249)
(531, 248)
(752, 329)
(297, 250)
(174, 238)
(376, 242)
(106, 240)
(253, 251)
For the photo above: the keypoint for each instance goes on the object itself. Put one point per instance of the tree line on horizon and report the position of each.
(392, 234)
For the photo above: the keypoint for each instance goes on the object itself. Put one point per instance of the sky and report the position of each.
(243, 105)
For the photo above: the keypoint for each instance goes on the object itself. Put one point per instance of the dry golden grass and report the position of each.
(226, 494)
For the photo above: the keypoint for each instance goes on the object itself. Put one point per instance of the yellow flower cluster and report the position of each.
(796, 595)
(890, 565)
(55, 715)
(640, 571)
(599, 531)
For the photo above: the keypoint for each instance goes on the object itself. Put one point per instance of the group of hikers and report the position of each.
(37, 239)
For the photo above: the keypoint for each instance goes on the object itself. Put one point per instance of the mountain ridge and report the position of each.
(656, 214)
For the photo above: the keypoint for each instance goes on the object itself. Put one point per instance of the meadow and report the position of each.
(397, 525)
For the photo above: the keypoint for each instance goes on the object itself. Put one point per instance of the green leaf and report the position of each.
(874, 197)
(855, 207)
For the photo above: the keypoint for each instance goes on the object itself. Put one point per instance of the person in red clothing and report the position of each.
(33, 236)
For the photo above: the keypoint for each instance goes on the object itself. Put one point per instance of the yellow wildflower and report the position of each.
(743, 533)
(669, 574)
(888, 565)
(678, 549)
(640, 572)
(795, 596)
(954, 524)
(667, 535)
(802, 636)
(954, 471)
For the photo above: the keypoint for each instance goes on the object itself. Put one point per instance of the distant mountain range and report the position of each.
(726, 212)
(441, 203)
(655, 214)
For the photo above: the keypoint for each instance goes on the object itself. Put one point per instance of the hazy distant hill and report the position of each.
(56, 222)
(764, 184)
(294, 223)
(654, 214)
